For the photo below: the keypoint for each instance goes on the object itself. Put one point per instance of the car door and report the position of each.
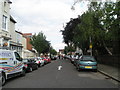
(31, 63)
(17, 62)
(34, 64)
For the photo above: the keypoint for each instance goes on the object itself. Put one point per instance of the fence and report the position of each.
(109, 60)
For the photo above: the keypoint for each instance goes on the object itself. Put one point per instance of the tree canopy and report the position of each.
(99, 26)
(40, 43)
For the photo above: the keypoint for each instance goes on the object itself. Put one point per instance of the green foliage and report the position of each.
(68, 33)
(68, 49)
(53, 51)
(100, 23)
(40, 43)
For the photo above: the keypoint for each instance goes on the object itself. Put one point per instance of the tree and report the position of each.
(98, 26)
(40, 43)
(69, 49)
(68, 32)
(53, 51)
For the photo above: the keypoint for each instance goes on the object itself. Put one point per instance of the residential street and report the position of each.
(59, 44)
(61, 74)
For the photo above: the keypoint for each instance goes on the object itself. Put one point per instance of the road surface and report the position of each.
(61, 74)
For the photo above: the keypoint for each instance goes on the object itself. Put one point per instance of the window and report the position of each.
(17, 56)
(4, 4)
(6, 7)
(18, 38)
(4, 22)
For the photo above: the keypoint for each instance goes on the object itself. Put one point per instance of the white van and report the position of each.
(11, 65)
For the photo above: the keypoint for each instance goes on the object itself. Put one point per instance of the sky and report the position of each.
(48, 16)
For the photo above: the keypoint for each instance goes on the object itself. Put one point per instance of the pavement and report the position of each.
(110, 71)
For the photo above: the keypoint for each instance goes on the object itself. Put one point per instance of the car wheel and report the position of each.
(23, 73)
(43, 64)
(77, 67)
(3, 79)
(36, 67)
(30, 69)
(40, 64)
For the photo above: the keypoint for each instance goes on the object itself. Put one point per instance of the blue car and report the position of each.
(86, 62)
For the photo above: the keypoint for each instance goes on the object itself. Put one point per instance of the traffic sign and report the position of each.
(90, 45)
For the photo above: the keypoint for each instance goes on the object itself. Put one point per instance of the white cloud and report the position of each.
(45, 15)
(59, 46)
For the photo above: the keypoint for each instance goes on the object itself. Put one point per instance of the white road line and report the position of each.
(59, 67)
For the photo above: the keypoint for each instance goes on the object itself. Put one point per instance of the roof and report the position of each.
(11, 19)
(26, 34)
(61, 50)
(18, 32)
(9, 1)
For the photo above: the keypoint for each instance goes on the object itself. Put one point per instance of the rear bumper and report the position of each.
(88, 67)
(27, 69)
(45, 61)
(38, 64)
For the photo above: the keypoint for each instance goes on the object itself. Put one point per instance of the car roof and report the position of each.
(3, 50)
(87, 56)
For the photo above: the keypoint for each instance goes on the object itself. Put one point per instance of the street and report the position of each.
(61, 74)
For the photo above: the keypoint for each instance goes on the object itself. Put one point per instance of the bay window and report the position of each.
(4, 22)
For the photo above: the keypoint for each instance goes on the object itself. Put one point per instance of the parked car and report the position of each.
(46, 60)
(86, 62)
(76, 59)
(49, 59)
(37, 61)
(72, 58)
(30, 65)
(41, 61)
(67, 57)
(53, 57)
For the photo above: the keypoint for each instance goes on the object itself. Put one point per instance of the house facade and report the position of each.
(9, 37)
(5, 36)
(16, 42)
(29, 51)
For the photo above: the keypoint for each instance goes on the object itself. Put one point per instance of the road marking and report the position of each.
(59, 67)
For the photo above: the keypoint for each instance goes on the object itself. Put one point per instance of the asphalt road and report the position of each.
(61, 74)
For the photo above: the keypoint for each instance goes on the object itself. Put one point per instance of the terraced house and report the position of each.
(9, 37)
(5, 36)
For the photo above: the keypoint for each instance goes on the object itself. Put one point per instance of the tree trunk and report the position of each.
(107, 49)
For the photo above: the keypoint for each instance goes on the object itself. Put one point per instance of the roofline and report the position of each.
(11, 18)
(19, 32)
(9, 2)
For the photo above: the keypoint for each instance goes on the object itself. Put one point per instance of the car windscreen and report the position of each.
(25, 60)
(87, 58)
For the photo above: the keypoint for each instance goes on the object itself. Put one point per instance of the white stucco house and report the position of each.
(9, 37)
(5, 36)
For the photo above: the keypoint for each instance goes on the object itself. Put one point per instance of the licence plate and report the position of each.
(88, 67)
